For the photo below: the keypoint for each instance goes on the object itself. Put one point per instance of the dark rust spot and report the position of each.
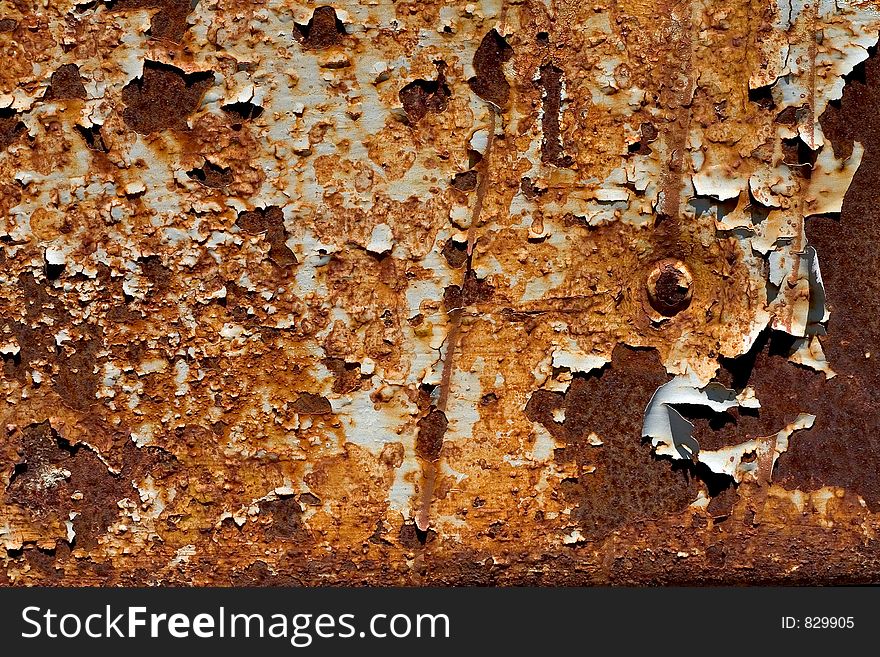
(411, 537)
(474, 290)
(529, 189)
(50, 470)
(311, 404)
(286, 515)
(788, 116)
(213, 176)
(159, 275)
(324, 30)
(722, 504)
(843, 447)
(168, 23)
(648, 133)
(465, 181)
(489, 83)
(8, 25)
(163, 97)
(432, 429)
(551, 143)
(34, 336)
(421, 97)
(346, 376)
(846, 120)
(257, 574)
(630, 483)
(11, 128)
(269, 222)
(455, 253)
(77, 380)
(452, 298)
(66, 83)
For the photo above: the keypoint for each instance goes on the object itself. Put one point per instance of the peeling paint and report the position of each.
(392, 292)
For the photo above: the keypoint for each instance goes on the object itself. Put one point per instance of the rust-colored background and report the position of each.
(308, 338)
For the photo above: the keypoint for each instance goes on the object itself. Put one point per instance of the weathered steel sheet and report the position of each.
(423, 292)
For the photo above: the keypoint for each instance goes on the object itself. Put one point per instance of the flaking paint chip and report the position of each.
(381, 239)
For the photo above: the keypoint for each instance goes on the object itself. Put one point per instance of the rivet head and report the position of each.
(670, 287)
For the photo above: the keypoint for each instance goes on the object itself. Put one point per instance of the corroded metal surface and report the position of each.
(413, 293)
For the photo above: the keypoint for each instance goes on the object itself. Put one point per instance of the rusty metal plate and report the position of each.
(439, 293)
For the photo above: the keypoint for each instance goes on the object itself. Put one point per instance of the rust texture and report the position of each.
(426, 293)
